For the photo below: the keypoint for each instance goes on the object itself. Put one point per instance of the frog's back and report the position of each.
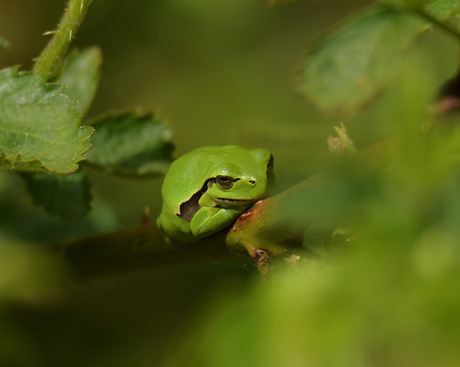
(187, 175)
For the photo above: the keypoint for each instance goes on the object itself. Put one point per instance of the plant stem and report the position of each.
(50, 59)
(446, 26)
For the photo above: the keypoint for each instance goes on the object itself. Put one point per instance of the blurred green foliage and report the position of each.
(219, 72)
(354, 77)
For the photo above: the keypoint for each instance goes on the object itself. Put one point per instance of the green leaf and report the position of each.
(348, 66)
(4, 43)
(67, 196)
(39, 126)
(442, 9)
(81, 76)
(131, 144)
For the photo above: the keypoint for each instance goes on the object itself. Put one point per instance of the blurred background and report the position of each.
(221, 73)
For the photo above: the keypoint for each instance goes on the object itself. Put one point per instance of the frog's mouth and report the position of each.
(236, 202)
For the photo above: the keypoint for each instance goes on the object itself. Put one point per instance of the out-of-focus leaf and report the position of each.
(81, 76)
(27, 223)
(4, 43)
(131, 144)
(439, 9)
(442, 9)
(23, 267)
(39, 127)
(67, 196)
(278, 2)
(406, 4)
(348, 66)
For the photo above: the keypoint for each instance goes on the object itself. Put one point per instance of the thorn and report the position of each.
(70, 35)
(49, 33)
(146, 216)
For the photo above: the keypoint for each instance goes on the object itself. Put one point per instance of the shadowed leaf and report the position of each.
(67, 196)
(131, 144)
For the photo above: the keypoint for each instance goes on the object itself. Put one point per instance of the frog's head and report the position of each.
(242, 177)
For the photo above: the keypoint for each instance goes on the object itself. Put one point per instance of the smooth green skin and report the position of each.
(216, 207)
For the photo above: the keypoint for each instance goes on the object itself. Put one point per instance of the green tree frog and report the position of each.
(206, 189)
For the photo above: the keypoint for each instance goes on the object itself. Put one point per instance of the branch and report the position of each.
(144, 246)
(50, 59)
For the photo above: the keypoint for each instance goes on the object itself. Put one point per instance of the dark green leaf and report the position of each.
(81, 76)
(39, 126)
(131, 144)
(347, 67)
(67, 196)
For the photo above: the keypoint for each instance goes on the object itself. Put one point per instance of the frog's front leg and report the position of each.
(209, 220)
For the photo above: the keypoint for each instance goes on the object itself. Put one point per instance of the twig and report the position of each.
(50, 59)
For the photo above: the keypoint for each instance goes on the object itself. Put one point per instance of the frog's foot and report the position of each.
(209, 220)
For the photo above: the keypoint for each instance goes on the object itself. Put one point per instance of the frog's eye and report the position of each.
(226, 182)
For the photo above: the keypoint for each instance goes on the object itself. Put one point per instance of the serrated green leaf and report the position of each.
(131, 144)
(39, 126)
(81, 76)
(14, 162)
(4, 43)
(67, 196)
(346, 68)
(442, 9)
